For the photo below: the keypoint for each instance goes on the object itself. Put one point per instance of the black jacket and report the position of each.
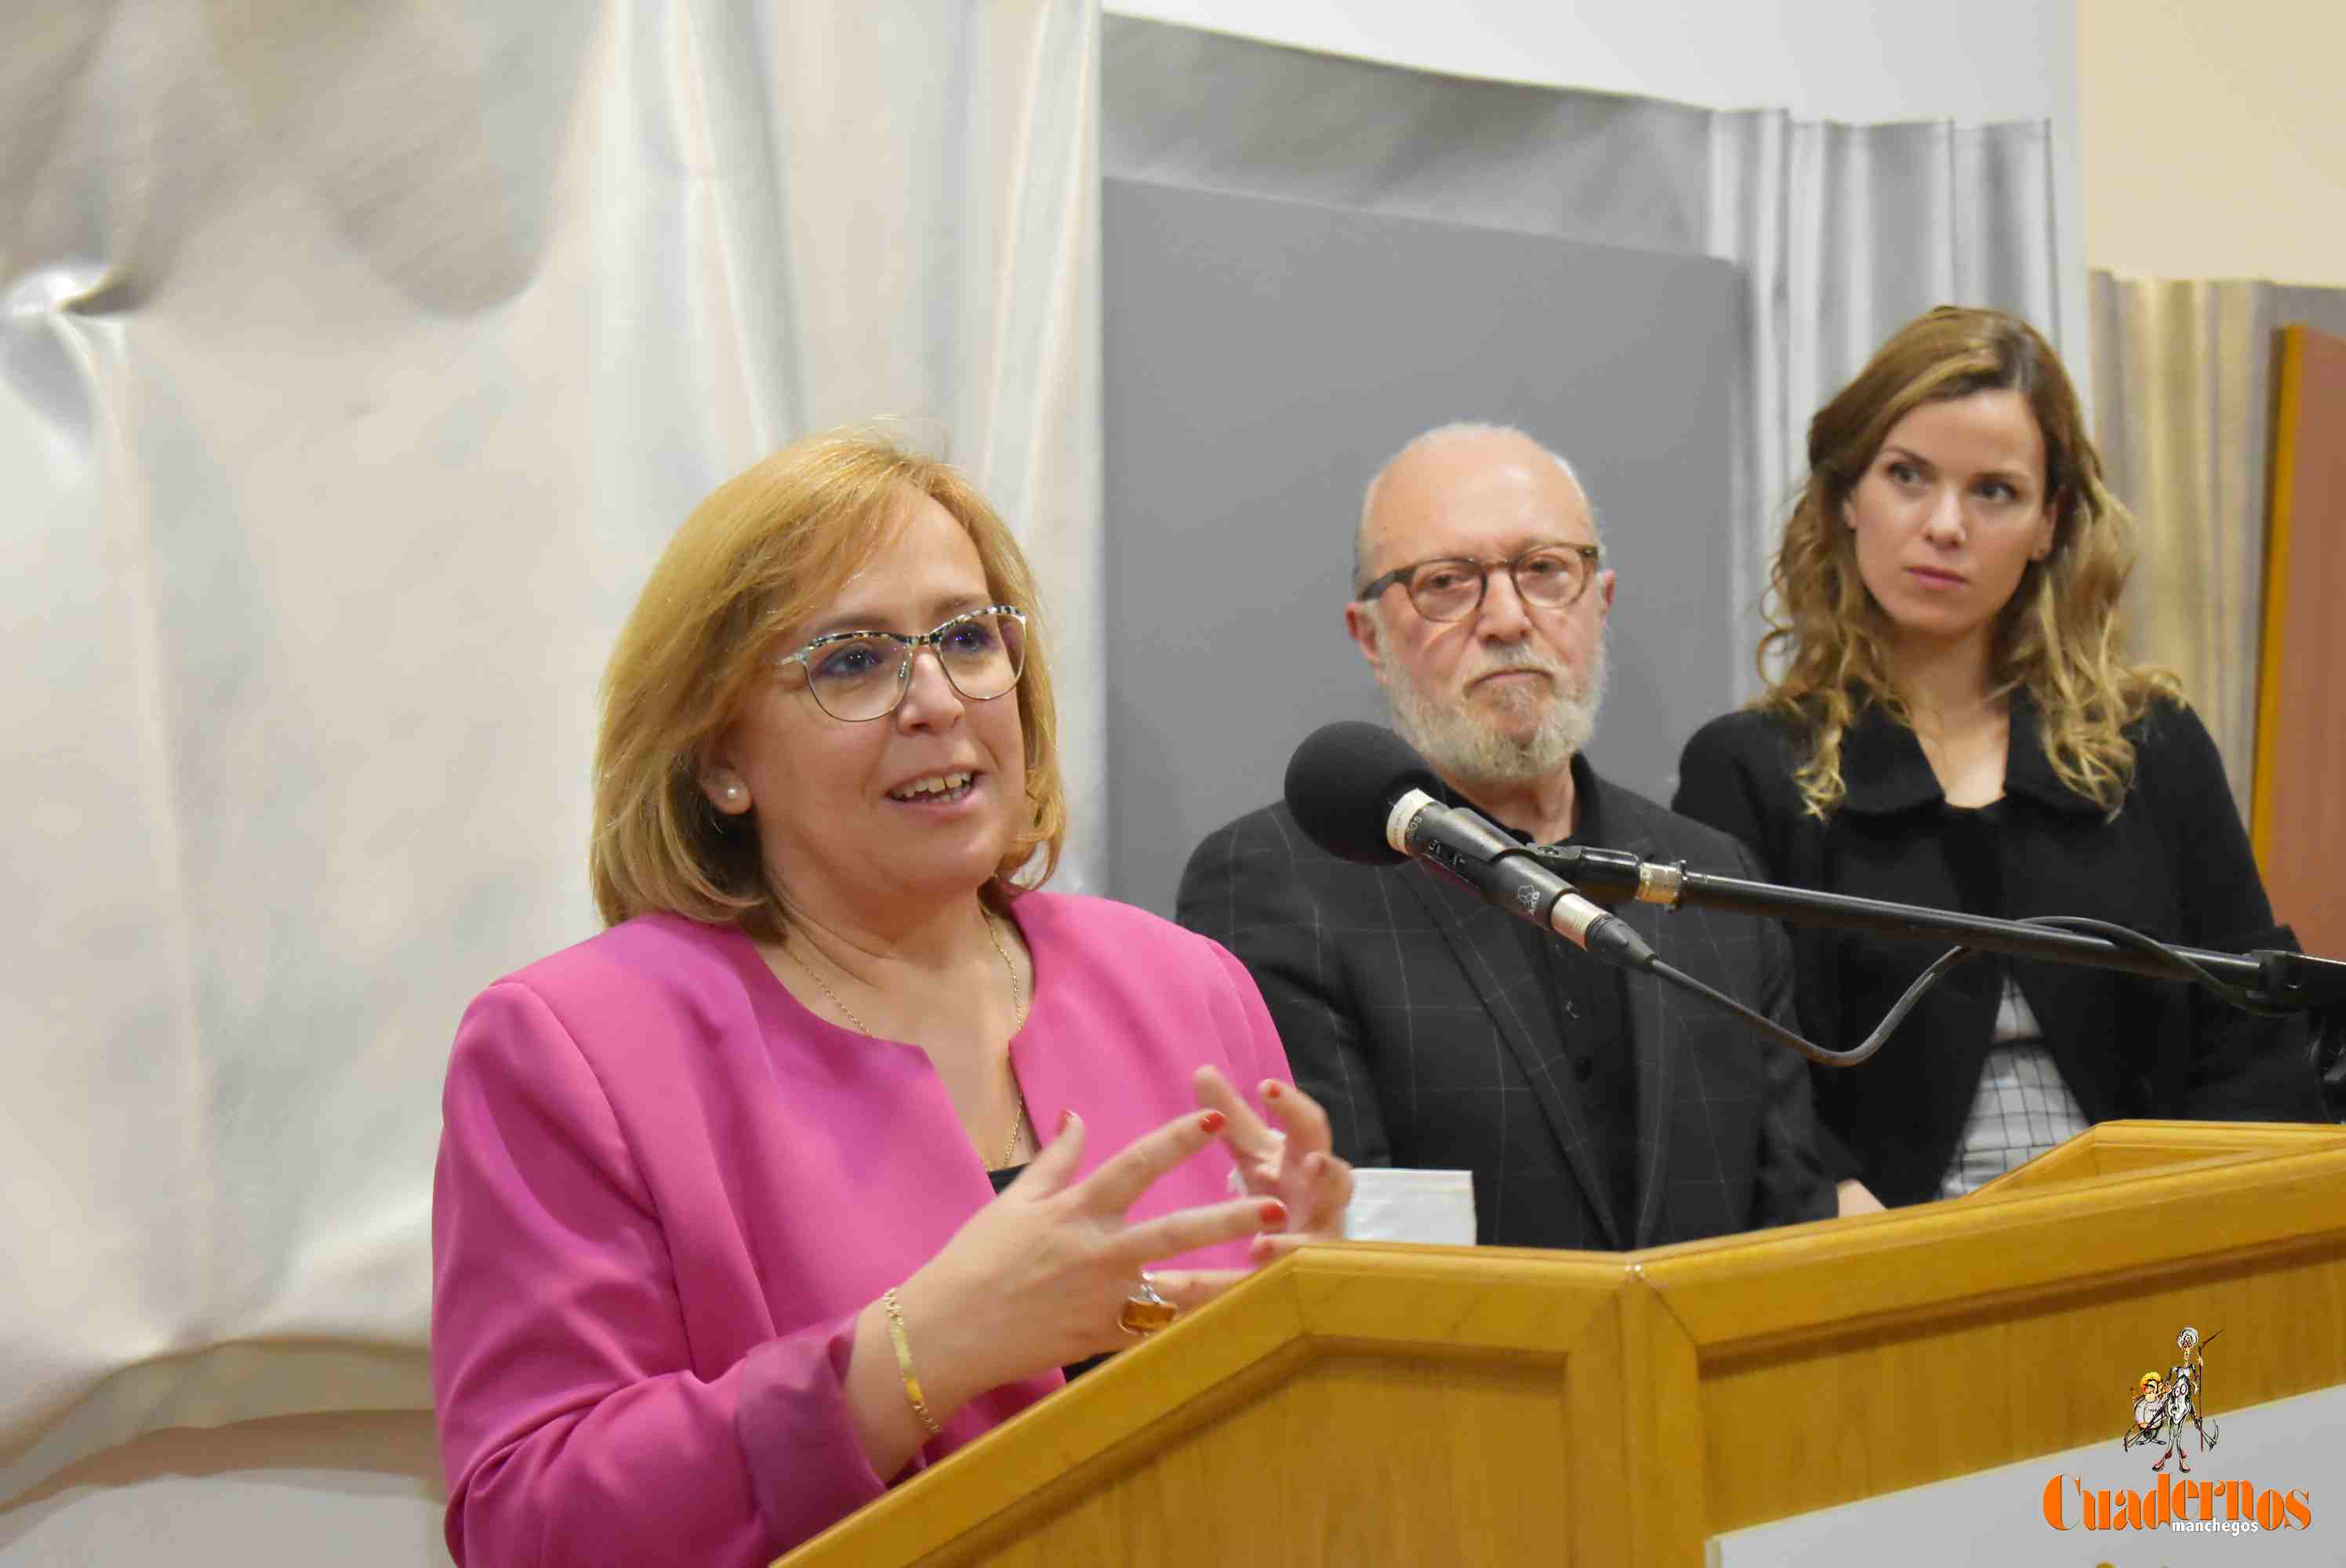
(2173, 863)
(1414, 1012)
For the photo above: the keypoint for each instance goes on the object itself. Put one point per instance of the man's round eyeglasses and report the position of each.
(862, 676)
(1451, 587)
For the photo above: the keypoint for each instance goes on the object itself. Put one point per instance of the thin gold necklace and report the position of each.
(1019, 1122)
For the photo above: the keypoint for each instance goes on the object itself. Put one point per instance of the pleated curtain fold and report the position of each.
(1844, 232)
(355, 363)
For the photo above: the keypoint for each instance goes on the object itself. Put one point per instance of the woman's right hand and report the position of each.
(1037, 1278)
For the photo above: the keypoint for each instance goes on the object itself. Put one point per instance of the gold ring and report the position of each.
(1145, 1311)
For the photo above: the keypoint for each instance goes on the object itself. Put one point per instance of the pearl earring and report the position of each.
(732, 793)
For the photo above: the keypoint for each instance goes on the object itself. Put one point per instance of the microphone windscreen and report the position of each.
(1343, 781)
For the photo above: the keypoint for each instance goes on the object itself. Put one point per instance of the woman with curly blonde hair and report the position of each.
(1949, 722)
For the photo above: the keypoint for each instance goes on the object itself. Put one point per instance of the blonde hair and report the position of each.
(2057, 638)
(764, 551)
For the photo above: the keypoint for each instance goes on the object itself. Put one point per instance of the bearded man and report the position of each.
(1596, 1109)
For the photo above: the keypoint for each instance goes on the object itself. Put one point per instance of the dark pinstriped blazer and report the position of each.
(1410, 1009)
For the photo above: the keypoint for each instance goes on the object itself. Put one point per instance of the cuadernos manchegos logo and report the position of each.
(2165, 1411)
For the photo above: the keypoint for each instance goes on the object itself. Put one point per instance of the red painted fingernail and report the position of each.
(1211, 1122)
(1066, 1119)
(1274, 1212)
(1261, 1247)
(1272, 1089)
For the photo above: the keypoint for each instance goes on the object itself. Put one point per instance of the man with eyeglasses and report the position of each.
(1596, 1110)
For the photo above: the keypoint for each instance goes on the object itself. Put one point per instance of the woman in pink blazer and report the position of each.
(841, 1141)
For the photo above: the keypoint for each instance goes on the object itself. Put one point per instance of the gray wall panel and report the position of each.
(1263, 358)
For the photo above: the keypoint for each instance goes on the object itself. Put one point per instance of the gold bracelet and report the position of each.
(904, 1362)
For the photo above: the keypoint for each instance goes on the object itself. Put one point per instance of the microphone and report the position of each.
(1360, 793)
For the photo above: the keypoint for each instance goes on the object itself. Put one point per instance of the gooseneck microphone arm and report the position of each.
(1360, 793)
(2269, 980)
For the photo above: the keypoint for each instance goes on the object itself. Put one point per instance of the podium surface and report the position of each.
(1379, 1403)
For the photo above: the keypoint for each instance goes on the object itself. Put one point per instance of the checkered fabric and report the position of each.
(2021, 1107)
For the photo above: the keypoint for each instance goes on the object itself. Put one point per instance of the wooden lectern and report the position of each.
(1389, 1404)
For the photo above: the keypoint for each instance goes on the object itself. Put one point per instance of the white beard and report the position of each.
(1467, 748)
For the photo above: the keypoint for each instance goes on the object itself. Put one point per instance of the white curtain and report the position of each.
(354, 363)
(2183, 389)
(1844, 232)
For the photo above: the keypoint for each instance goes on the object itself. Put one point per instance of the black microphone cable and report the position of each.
(2182, 968)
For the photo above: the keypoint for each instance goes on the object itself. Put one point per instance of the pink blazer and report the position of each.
(666, 1189)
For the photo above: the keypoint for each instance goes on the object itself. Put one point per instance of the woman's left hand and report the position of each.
(1295, 1163)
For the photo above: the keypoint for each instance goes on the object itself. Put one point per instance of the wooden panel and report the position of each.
(2115, 1147)
(1356, 1459)
(1860, 1415)
(1353, 1405)
(1365, 1405)
(2298, 817)
(1668, 1518)
(1867, 1356)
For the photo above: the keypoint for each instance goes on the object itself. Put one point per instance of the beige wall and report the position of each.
(2215, 137)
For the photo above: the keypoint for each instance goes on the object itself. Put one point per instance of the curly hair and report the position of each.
(1826, 656)
(762, 552)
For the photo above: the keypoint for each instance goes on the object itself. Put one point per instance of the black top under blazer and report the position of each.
(1413, 1011)
(2173, 863)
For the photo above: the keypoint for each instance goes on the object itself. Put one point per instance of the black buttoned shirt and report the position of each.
(2173, 861)
(1587, 1014)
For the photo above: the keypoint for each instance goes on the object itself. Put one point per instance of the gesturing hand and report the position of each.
(1037, 1278)
(1297, 1165)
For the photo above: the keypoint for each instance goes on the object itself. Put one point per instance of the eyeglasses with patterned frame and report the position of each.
(1451, 587)
(857, 677)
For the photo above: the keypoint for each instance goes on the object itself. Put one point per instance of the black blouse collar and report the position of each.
(1884, 770)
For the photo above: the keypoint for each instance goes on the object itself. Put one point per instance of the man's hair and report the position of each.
(1441, 433)
(763, 552)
